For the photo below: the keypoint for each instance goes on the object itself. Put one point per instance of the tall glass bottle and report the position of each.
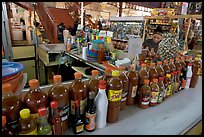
(44, 128)
(93, 82)
(61, 94)
(11, 106)
(154, 93)
(90, 113)
(125, 81)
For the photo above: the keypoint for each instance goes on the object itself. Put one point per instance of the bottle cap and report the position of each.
(3, 121)
(166, 62)
(152, 64)
(54, 104)
(108, 70)
(143, 65)
(168, 75)
(121, 67)
(6, 87)
(146, 81)
(115, 73)
(94, 72)
(161, 78)
(171, 60)
(33, 83)
(57, 78)
(159, 63)
(172, 73)
(197, 59)
(25, 113)
(42, 111)
(102, 84)
(77, 75)
(155, 80)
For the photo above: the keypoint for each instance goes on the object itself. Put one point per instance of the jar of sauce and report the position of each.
(114, 88)
(154, 93)
(132, 86)
(144, 95)
(125, 81)
(61, 94)
(35, 98)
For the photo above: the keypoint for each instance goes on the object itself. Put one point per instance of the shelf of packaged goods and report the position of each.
(160, 24)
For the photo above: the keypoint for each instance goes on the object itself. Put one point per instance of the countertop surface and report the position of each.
(171, 117)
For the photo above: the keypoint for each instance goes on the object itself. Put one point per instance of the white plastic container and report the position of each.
(189, 76)
(101, 102)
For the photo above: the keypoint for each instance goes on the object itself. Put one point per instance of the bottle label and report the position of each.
(64, 112)
(176, 86)
(198, 73)
(90, 121)
(134, 91)
(172, 88)
(164, 93)
(123, 99)
(160, 97)
(145, 99)
(154, 97)
(168, 91)
(36, 117)
(79, 128)
(124, 96)
(82, 106)
(34, 132)
(114, 95)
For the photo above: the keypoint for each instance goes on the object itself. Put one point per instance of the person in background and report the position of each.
(37, 37)
(191, 40)
(60, 29)
(74, 29)
(154, 42)
(22, 21)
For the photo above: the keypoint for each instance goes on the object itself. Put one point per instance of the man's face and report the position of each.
(156, 38)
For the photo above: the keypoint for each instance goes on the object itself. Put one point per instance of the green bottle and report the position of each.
(44, 127)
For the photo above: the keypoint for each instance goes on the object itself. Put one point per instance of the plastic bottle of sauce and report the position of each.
(90, 113)
(101, 102)
(78, 125)
(107, 74)
(173, 82)
(93, 82)
(35, 98)
(101, 54)
(144, 95)
(78, 91)
(151, 54)
(169, 85)
(115, 87)
(178, 64)
(172, 66)
(55, 119)
(160, 69)
(143, 74)
(125, 81)
(44, 128)
(132, 86)
(59, 93)
(11, 106)
(162, 90)
(189, 75)
(28, 125)
(166, 67)
(152, 73)
(178, 81)
(154, 93)
(6, 130)
(196, 73)
(183, 72)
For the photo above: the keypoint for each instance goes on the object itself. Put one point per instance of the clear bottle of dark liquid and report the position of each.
(6, 130)
(11, 106)
(78, 124)
(90, 113)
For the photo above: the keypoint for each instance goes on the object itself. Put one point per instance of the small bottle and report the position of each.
(27, 126)
(78, 125)
(154, 93)
(55, 119)
(189, 75)
(162, 90)
(169, 85)
(93, 82)
(5, 129)
(160, 69)
(90, 113)
(101, 54)
(44, 128)
(107, 74)
(144, 95)
(101, 102)
(152, 73)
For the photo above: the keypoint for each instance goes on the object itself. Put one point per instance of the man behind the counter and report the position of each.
(154, 42)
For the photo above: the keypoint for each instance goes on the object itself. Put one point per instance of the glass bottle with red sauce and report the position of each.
(125, 81)
(154, 93)
(160, 69)
(55, 119)
(101, 54)
(107, 74)
(152, 73)
(93, 82)
(78, 91)
(172, 66)
(6, 130)
(144, 95)
(132, 86)
(11, 106)
(61, 94)
(196, 73)
(35, 98)
(114, 88)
